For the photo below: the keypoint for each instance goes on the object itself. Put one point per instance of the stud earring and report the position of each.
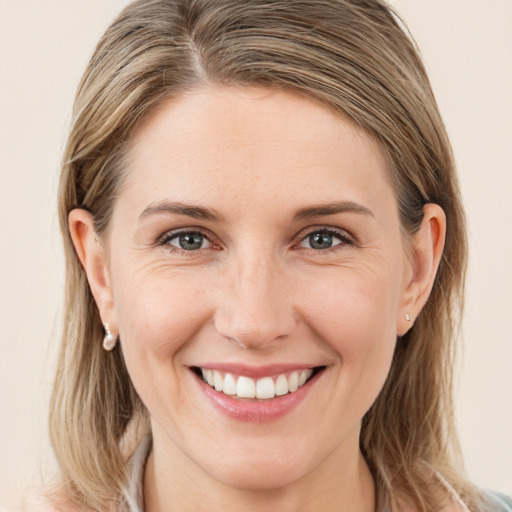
(408, 317)
(109, 341)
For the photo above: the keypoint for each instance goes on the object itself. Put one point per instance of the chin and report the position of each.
(256, 465)
(258, 476)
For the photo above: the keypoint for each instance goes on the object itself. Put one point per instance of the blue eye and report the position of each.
(189, 241)
(323, 239)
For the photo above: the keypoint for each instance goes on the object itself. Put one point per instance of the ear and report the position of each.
(91, 253)
(426, 252)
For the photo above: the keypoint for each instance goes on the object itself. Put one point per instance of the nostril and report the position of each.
(255, 319)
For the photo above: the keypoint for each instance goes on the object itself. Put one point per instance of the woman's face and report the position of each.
(256, 241)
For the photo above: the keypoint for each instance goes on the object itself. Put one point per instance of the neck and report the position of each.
(173, 482)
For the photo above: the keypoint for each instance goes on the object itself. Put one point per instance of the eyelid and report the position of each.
(345, 237)
(163, 240)
(176, 237)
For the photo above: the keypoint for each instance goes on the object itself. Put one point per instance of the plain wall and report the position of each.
(44, 47)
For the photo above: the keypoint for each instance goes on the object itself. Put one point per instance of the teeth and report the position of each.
(229, 384)
(293, 382)
(263, 389)
(208, 377)
(281, 385)
(245, 387)
(218, 381)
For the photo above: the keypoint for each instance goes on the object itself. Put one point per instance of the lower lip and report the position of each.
(258, 411)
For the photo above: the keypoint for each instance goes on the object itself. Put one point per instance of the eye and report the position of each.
(188, 241)
(322, 239)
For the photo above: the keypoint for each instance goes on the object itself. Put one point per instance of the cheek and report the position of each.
(158, 315)
(354, 313)
(353, 306)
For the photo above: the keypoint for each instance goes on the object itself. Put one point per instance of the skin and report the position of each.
(257, 292)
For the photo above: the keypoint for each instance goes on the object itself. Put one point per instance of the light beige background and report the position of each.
(44, 46)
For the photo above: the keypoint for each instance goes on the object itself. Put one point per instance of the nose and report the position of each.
(255, 307)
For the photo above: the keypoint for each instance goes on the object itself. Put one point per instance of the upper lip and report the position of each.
(256, 371)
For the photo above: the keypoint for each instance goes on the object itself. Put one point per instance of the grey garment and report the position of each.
(133, 493)
(503, 503)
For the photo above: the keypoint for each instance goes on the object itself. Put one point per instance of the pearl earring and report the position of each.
(408, 317)
(109, 341)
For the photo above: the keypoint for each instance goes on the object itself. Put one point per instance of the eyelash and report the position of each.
(164, 241)
(345, 239)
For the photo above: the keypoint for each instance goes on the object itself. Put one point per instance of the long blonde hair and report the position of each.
(353, 56)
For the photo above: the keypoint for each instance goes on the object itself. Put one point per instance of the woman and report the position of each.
(263, 225)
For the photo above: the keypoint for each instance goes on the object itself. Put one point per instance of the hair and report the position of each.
(356, 58)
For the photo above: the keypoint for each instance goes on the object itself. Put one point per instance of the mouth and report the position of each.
(263, 388)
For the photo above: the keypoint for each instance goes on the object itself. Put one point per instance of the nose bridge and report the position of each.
(256, 308)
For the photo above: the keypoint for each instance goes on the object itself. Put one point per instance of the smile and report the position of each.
(253, 394)
(264, 388)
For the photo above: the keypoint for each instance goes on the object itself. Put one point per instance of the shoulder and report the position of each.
(49, 506)
(48, 502)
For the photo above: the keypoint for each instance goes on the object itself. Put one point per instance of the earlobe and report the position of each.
(91, 254)
(426, 253)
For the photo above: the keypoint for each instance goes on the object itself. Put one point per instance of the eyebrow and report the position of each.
(332, 209)
(196, 212)
(202, 213)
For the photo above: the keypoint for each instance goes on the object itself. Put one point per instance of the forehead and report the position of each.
(251, 144)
